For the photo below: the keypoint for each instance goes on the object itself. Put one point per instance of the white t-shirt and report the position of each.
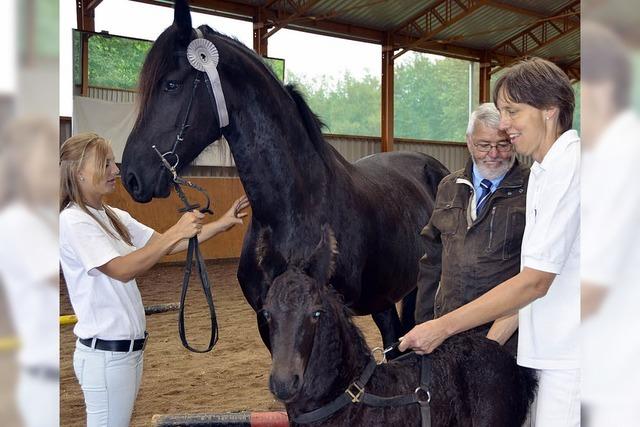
(106, 308)
(29, 273)
(548, 335)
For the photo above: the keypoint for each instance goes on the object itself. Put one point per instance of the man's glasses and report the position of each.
(500, 146)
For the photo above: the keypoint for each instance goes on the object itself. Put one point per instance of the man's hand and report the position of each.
(425, 337)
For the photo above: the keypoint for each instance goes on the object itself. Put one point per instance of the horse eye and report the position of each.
(316, 314)
(266, 315)
(171, 85)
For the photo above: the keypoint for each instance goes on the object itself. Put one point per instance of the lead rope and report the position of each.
(193, 250)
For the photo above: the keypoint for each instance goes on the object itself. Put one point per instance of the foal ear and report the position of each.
(270, 261)
(182, 20)
(322, 263)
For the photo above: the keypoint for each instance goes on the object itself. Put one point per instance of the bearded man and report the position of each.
(475, 233)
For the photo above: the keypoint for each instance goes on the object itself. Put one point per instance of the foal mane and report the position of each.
(356, 340)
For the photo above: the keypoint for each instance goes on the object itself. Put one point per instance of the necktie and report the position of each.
(486, 185)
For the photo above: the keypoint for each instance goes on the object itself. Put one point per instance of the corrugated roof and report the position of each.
(487, 26)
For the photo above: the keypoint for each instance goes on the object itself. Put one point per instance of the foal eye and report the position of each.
(171, 86)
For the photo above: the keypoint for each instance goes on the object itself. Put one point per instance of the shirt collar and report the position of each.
(567, 138)
(477, 177)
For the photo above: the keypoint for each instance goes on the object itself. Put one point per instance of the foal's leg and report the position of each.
(388, 322)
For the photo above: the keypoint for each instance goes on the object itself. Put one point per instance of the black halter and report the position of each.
(193, 248)
(356, 393)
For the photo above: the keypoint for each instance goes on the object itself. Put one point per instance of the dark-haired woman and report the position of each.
(102, 250)
(536, 103)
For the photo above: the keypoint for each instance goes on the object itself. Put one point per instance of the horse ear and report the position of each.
(270, 261)
(322, 263)
(182, 20)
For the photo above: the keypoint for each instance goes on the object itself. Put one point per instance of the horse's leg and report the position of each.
(388, 322)
(407, 318)
(252, 282)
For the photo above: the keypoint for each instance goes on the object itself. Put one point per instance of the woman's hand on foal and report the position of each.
(425, 337)
(189, 225)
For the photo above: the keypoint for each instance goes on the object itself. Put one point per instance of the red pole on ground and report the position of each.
(269, 419)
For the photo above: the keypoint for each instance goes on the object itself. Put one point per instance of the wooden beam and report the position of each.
(85, 16)
(435, 19)
(300, 11)
(485, 78)
(541, 34)
(260, 41)
(92, 4)
(387, 94)
(516, 9)
(229, 9)
(84, 64)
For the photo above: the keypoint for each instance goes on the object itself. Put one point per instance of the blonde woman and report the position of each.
(102, 251)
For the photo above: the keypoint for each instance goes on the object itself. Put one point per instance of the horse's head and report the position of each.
(173, 113)
(301, 312)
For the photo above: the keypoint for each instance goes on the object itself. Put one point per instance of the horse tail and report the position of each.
(434, 171)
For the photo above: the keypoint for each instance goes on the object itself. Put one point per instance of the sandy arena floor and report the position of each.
(231, 378)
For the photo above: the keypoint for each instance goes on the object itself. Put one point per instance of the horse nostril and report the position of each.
(131, 183)
(284, 389)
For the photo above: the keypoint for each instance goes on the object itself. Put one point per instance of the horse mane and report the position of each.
(312, 123)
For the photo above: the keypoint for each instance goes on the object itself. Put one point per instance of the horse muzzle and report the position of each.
(285, 388)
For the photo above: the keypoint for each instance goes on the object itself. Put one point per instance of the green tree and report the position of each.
(431, 98)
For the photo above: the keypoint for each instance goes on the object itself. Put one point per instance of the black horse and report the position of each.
(317, 354)
(294, 180)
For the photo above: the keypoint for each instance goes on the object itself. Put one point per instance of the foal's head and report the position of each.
(303, 315)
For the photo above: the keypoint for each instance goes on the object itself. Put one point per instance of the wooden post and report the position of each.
(260, 39)
(85, 14)
(387, 93)
(485, 78)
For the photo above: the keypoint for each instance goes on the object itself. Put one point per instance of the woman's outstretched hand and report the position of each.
(235, 213)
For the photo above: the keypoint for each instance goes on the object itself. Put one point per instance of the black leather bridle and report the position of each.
(193, 250)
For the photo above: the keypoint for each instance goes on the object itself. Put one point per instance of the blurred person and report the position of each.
(479, 219)
(610, 233)
(29, 262)
(102, 250)
(536, 104)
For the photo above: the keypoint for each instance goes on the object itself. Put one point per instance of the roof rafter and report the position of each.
(516, 9)
(300, 9)
(435, 19)
(541, 34)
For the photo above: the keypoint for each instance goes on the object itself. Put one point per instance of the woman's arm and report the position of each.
(227, 221)
(127, 267)
(504, 299)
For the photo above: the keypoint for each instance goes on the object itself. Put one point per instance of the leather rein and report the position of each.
(202, 63)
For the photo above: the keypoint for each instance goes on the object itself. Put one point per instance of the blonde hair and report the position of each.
(73, 153)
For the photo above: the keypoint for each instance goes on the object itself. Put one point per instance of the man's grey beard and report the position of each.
(492, 174)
